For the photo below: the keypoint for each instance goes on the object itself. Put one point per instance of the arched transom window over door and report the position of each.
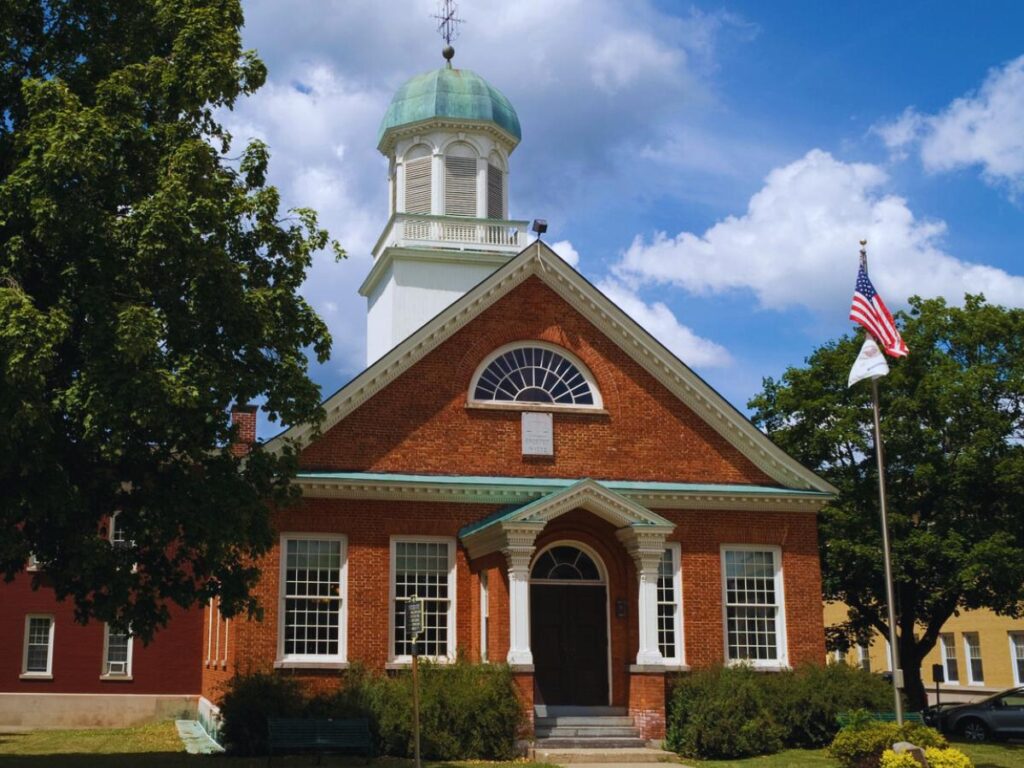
(565, 563)
(534, 373)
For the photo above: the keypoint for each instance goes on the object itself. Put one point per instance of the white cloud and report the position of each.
(979, 129)
(564, 249)
(796, 245)
(660, 322)
(333, 67)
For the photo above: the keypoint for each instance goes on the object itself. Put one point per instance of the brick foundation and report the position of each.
(647, 703)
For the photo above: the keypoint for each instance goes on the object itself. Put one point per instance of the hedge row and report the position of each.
(467, 711)
(731, 712)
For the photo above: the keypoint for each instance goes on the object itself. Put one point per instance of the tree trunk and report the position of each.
(913, 683)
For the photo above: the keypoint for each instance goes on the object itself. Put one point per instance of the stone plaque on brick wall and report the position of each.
(538, 437)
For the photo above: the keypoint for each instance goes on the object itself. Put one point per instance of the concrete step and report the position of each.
(592, 742)
(644, 755)
(543, 710)
(571, 721)
(589, 730)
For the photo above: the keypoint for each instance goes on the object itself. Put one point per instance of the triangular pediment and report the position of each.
(490, 534)
(538, 260)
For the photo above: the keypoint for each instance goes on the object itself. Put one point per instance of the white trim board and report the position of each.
(540, 261)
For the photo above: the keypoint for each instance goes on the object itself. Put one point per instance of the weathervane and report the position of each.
(448, 26)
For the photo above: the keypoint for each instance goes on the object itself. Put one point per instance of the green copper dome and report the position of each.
(456, 93)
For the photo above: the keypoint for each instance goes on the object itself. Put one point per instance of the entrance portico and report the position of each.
(525, 535)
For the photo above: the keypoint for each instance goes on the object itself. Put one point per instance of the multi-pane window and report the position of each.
(312, 593)
(1017, 656)
(864, 657)
(118, 533)
(117, 656)
(38, 658)
(533, 374)
(952, 667)
(972, 650)
(424, 568)
(753, 606)
(669, 608)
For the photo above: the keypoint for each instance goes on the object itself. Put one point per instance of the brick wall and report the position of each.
(368, 526)
(169, 665)
(647, 704)
(420, 423)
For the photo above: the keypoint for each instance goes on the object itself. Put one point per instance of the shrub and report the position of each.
(937, 758)
(466, 710)
(807, 701)
(722, 713)
(862, 746)
(247, 703)
(947, 758)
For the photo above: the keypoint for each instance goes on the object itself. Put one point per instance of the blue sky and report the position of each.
(711, 166)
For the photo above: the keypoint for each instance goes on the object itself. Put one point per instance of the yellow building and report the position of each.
(981, 653)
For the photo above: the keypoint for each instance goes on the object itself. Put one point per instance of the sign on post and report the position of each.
(413, 630)
(414, 619)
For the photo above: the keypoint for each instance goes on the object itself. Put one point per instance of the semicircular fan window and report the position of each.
(533, 375)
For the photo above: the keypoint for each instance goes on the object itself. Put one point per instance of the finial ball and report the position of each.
(448, 52)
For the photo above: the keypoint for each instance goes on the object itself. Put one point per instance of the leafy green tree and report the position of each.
(148, 281)
(953, 431)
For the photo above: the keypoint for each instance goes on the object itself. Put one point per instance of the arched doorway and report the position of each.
(569, 626)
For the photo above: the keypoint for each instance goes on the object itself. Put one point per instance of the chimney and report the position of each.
(243, 418)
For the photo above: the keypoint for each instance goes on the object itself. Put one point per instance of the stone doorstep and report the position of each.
(632, 755)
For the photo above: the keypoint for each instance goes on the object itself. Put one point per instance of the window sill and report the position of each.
(407, 664)
(654, 669)
(326, 665)
(116, 678)
(581, 410)
(35, 676)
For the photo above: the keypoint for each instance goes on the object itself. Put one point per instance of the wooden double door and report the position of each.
(569, 640)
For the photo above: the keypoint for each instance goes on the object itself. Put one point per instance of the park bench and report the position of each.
(844, 718)
(288, 734)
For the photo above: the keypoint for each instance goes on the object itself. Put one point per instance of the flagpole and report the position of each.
(894, 654)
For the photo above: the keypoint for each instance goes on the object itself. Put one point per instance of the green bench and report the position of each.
(883, 717)
(288, 734)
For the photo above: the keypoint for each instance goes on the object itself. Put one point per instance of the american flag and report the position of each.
(870, 311)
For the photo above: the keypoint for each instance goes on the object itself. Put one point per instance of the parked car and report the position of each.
(999, 716)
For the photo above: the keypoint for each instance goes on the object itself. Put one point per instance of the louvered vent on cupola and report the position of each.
(495, 192)
(460, 186)
(417, 185)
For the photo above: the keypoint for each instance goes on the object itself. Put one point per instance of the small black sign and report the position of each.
(413, 618)
(938, 673)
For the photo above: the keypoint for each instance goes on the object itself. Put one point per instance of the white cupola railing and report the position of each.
(413, 230)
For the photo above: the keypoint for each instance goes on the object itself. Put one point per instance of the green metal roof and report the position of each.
(557, 483)
(457, 93)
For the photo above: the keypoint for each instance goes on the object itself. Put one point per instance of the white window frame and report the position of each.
(678, 658)
(584, 370)
(967, 658)
(485, 614)
(105, 673)
(308, 660)
(393, 658)
(47, 674)
(781, 659)
(863, 655)
(950, 646)
(1018, 679)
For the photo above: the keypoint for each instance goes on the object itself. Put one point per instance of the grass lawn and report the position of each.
(158, 746)
(983, 756)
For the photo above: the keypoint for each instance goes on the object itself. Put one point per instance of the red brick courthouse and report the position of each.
(564, 494)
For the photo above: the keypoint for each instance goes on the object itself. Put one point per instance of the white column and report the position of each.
(518, 551)
(646, 548)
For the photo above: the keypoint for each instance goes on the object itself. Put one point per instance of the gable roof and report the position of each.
(538, 260)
